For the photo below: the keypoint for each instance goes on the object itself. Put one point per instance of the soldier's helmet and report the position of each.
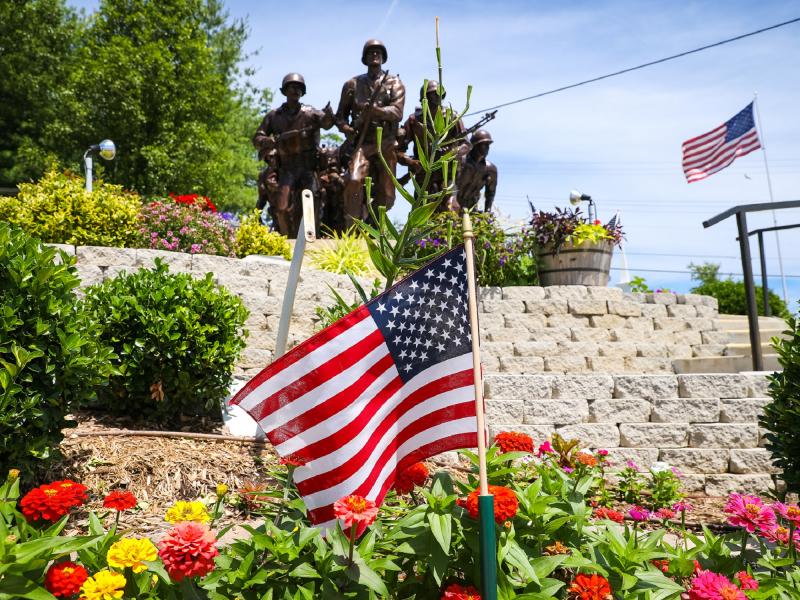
(373, 44)
(432, 86)
(481, 137)
(293, 78)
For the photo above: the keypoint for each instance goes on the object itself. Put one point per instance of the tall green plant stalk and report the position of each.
(393, 250)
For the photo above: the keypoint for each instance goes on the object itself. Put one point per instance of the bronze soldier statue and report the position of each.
(331, 179)
(371, 100)
(413, 132)
(475, 174)
(291, 133)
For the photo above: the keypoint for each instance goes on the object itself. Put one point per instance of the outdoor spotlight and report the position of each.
(575, 198)
(106, 149)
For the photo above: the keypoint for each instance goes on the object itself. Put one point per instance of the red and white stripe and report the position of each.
(706, 154)
(337, 404)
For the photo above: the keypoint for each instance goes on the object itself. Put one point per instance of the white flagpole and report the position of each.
(771, 197)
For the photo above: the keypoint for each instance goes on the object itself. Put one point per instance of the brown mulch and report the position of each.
(106, 454)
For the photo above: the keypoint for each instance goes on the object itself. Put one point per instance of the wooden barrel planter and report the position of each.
(587, 264)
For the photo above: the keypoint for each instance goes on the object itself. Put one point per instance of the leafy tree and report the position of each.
(38, 49)
(162, 80)
(730, 294)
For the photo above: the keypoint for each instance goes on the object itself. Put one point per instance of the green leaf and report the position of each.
(441, 528)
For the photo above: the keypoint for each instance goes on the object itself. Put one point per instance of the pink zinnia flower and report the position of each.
(713, 586)
(747, 581)
(188, 550)
(682, 506)
(638, 513)
(544, 448)
(632, 465)
(749, 512)
(602, 453)
(789, 512)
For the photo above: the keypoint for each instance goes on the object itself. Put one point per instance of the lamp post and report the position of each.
(575, 198)
(106, 149)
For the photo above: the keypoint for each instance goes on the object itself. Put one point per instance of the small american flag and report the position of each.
(706, 154)
(386, 386)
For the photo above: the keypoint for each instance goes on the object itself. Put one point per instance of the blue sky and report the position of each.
(618, 140)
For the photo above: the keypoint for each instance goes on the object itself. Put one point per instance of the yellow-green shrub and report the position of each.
(347, 252)
(58, 209)
(253, 238)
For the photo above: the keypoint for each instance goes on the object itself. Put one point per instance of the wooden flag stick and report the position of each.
(488, 551)
(469, 240)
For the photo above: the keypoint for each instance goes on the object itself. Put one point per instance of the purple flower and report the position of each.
(422, 243)
(632, 465)
(487, 245)
(436, 243)
(567, 469)
(639, 513)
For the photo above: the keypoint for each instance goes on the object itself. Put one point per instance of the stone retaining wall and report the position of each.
(593, 363)
(705, 425)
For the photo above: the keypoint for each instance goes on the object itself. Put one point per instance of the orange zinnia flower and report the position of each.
(456, 591)
(505, 503)
(511, 441)
(590, 587)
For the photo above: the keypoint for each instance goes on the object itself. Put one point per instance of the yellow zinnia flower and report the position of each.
(130, 552)
(187, 511)
(105, 585)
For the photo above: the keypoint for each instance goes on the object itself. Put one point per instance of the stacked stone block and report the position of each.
(259, 281)
(704, 425)
(580, 329)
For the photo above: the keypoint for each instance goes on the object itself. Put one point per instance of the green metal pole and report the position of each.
(488, 548)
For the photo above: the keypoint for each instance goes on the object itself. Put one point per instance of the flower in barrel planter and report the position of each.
(571, 250)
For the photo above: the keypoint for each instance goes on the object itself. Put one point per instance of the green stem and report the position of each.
(215, 514)
(683, 529)
(744, 546)
(353, 529)
(289, 476)
(116, 522)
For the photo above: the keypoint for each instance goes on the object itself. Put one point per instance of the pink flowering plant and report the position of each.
(167, 225)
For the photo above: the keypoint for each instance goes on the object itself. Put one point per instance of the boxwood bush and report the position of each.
(254, 238)
(782, 416)
(51, 357)
(58, 209)
(176, 339)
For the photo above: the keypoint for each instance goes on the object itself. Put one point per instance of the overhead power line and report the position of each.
(636, 68)
(635, 270)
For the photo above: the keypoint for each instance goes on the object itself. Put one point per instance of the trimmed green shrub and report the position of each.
(57, 209)
(176, 338)
(731, 297)
(50, 354)
(254, 238)
(782, 416)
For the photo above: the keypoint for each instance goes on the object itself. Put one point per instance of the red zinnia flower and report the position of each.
(65, 579)
(51, 501)
(505, 503)
(355, 509)
(188, 550)
(746, 581)
(661, 564)
(590, 587)
(607, 513)
(409, 478)
(119, 500)
(511, 441)
(455, 591)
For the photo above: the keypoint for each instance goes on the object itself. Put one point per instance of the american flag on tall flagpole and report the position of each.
(706, 154)
(386, 386)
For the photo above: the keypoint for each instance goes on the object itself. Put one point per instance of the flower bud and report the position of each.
(13, 474)
(222, 489)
